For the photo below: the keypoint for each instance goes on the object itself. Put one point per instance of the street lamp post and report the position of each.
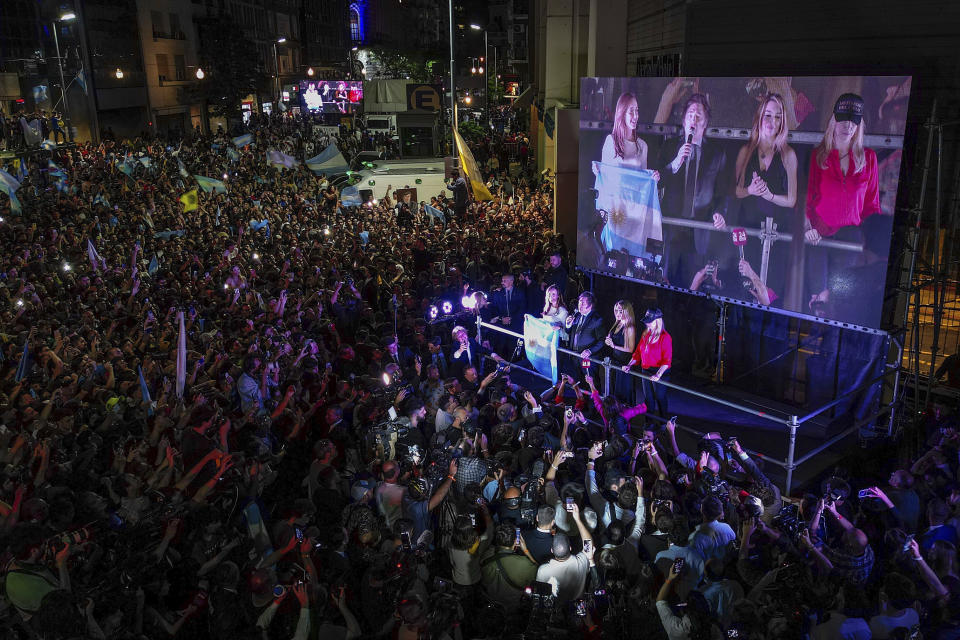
(486, 72)
(66, 17)
(453, 79)
(276, 60)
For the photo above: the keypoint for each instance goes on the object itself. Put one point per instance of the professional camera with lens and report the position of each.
(789, 522)
(749, 508)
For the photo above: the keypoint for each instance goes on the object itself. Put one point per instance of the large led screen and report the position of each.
(775, 191)
(331, 96)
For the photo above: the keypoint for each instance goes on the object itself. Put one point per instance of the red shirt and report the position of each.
(835, 200)
(654, 354)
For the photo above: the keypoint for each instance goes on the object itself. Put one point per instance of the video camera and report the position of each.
(789, 522)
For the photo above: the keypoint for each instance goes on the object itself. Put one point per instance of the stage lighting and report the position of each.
(469, 302)
(66, 266)
(446, 307)
(433, 312)
(386, 379)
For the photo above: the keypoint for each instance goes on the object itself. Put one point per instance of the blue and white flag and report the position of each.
(166, 235)
(258, 225)
(99, 199)
(15, 206)
(145, 392)
(210, 184)
(95, 259)
(232, 154)
(181, 356)
(9, 180)
(244, 140)
(540, 341)
(280, 159)
(183, 169)
(631, 200)
(48, 145)
(24, 365)
(434, 213)
(126, 167)
(153, 266)
(82, 80)
(146, 162)
(328, 161)
(350, 197)
(31, 131)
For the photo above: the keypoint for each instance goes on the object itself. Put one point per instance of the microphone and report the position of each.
(689, 138)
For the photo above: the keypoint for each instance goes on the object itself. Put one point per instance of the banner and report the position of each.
(629, 196)
(9, 180)
(470, 170)
(540, 340)
(350, 197)
(432, 212)
(328, 161)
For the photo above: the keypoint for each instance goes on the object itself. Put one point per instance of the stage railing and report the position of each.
(791, 422)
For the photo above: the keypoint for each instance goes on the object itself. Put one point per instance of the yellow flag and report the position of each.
(470, 171)
(189, 200)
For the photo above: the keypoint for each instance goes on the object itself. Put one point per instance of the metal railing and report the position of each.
(791, 422)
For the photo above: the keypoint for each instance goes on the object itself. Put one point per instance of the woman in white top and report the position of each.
(623, 147)
(553, 310)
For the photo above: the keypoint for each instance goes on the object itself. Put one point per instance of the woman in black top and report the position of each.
(767, 187)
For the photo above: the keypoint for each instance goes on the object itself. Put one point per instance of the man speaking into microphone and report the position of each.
(690, 169)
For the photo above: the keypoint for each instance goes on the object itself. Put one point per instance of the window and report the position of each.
(180, 66)
(175, 31)
(354, 24)
(163, 67)
(156, 19)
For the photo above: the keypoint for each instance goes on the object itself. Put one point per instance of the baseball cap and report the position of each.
(849, 106)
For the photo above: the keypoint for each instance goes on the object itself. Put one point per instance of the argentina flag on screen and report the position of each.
(540, 340)
(629, 196)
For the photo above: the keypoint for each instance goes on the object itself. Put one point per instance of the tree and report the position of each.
(419, 66)
(230, 65)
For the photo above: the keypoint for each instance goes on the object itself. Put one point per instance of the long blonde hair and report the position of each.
(546, 300)
(779, 141)
(655, 328)
(631, 319)
(823, 150)
(620, 132)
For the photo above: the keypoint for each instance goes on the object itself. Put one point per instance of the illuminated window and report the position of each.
(354, 24)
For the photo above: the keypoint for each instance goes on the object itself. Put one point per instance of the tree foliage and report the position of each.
(231, 66)
(419, 66)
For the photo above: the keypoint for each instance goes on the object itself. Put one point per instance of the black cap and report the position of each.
(651, 315)
(849, 106)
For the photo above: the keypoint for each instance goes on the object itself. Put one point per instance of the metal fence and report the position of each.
(788, 424)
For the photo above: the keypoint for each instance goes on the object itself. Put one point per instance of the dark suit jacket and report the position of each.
(516, 307)
(590, 336)
(711, 193)
(476, 354)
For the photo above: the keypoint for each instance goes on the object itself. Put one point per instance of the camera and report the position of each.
(832, 496)
(788, 521)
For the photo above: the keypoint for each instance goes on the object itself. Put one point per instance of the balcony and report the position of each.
(162, 35)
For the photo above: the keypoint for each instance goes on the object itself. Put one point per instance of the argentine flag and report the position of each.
(350, 197)
(242, 141)
(280, 159)
(6, 179)
(540, 340)
(210, 184)
(328, 161)
(48, 145)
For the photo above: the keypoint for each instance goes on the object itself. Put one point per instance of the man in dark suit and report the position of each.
(393, 352)
(509, 304)
(692, 170)
(586, 334)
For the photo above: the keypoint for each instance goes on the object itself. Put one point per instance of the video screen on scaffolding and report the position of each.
(776, 191)
(331, 96)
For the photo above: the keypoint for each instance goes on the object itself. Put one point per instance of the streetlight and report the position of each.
(276, 59)
(119, 73)
(200, 73)
(64, 17)
(486, 79)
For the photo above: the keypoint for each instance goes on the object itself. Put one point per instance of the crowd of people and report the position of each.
(241, 421)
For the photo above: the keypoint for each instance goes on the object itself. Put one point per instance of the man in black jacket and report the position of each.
(586, 334)
(691, 170)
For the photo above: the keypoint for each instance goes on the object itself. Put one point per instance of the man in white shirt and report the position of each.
(568, 572)
(712, 538)
(388, 494)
